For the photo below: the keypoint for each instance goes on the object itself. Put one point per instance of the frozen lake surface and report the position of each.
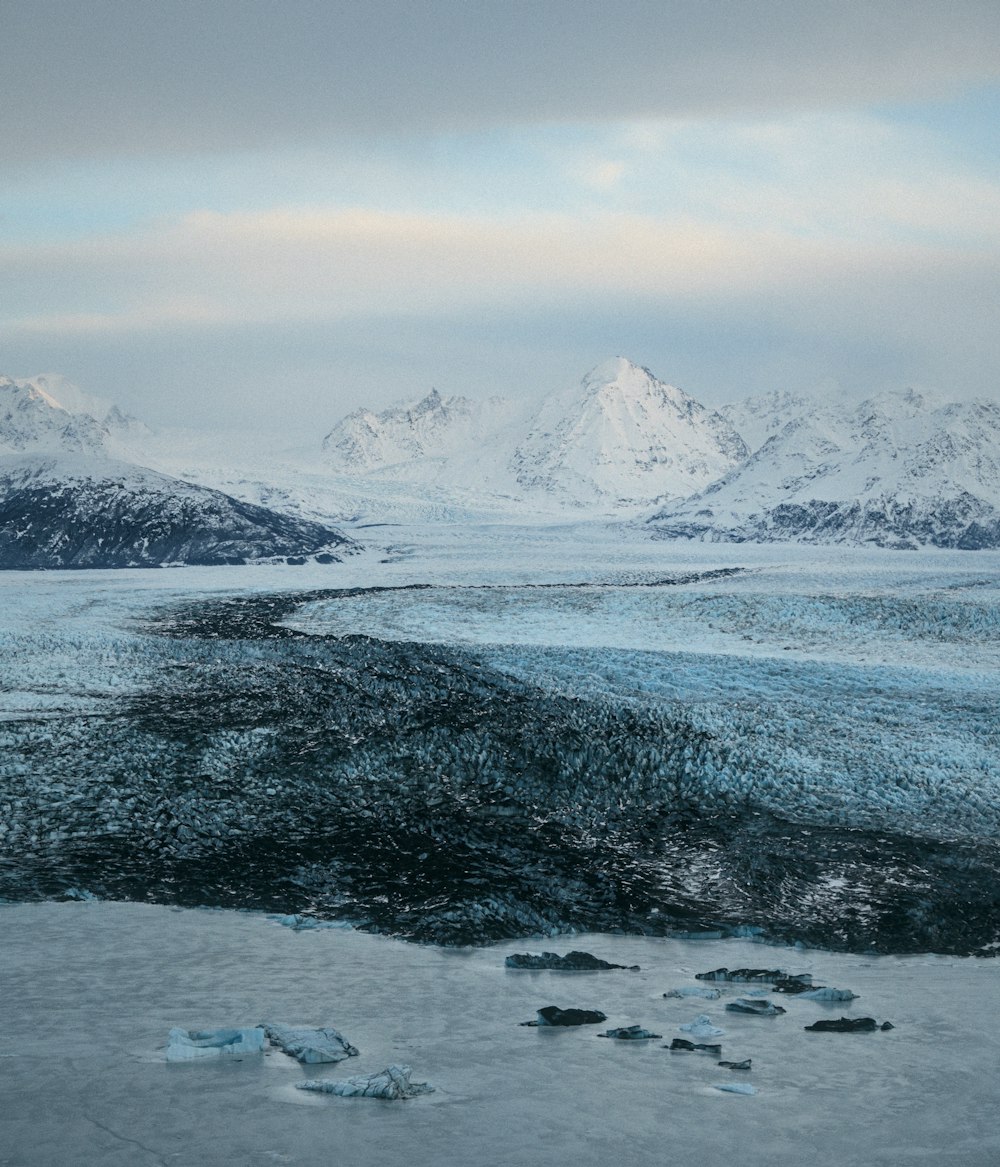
(91, 990)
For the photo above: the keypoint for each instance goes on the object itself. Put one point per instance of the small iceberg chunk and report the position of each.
(184, 1045)
(702, 1027)
(299, 923)
(849, 1025)
(694, 991)
(553, 1015)
(310, 1046)
(630, 1033)
(825, 994)
(758, 1006)
(741, 975)
(682, 1045)
(392, 1084)
(736, 1087)
(79, 893)
(571, 962)
(744, 1065)
(783, 982)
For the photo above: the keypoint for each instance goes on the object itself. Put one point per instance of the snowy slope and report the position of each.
(761, 416)
(86, 511)
(898, 470)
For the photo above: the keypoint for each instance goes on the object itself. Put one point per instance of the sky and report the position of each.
(260, 215)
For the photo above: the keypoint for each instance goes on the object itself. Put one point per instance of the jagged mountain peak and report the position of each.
(432, 427)
(49, 413)
(623, 437)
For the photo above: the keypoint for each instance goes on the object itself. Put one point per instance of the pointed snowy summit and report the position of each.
(626, 438)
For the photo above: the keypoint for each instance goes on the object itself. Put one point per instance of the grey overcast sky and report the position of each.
(263, 214)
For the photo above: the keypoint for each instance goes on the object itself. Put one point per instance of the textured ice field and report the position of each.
(91, 990)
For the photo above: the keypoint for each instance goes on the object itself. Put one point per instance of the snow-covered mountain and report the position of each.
(624, 438)
(50, 414)
(898, 470)
(32, 419)
(86, 511)
(66, 501)
(434, 427)
(620, 438)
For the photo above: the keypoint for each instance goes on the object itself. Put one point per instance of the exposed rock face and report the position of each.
(97, 513)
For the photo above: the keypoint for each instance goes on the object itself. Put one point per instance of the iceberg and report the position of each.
(310, 1046)
(184, 1045)
(757, 1006)
(630, 1033)
(736, 1087)
(701, 1027)
(392, 1084)
(694, 991)
(553, 1015)
(825, 994)
(571, 962)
